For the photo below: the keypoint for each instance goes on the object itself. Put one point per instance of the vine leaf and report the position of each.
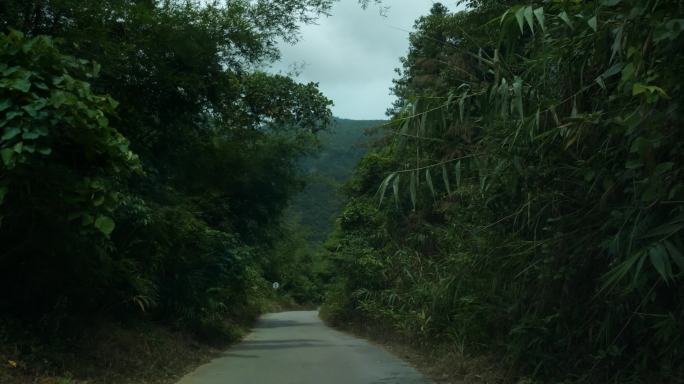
(105, 224)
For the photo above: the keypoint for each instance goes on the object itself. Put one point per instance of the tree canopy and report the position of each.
(146, 160)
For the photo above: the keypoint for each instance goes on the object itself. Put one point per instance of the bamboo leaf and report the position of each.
(423, 125)
(675, 254)
(428, 179)
(660, 261)
(564, 16)
(517, 89)
(395, 189)
(412, 188)
(383, 187)
(620, 271)
(519, 15)
(593, 23)
(667, 229)
(529, 17)
(539, 14)
(613, 70)
(599, 81)
(458, 174)
(445, 177)
(537, 116)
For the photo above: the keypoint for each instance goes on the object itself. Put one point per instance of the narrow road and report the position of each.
(297, 348)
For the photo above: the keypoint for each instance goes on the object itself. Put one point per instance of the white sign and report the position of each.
(276, 285)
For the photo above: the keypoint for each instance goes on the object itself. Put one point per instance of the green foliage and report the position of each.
(61, 162)
(341, 147)
(554, 237)
(182, 226)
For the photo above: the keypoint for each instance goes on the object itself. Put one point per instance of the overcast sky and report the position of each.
(352, 54)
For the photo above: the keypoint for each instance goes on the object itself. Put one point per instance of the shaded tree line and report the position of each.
(146, 160)
(527, 201)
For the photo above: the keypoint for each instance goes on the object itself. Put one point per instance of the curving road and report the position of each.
(297, 348)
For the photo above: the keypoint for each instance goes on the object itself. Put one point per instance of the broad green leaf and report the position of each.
(663, 168)
(639, 88)
(640, 145)
(10, 133)
(627, 72)
(7, 156)
(4, 104)
(105, 224)
(22, 84)
(30, 135)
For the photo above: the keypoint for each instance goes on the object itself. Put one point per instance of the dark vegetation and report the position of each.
(524, 208)
(146, 164)
(527, 204)
(300, 256)
(341, 148)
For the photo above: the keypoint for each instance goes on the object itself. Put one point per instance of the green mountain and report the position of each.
(342, 146)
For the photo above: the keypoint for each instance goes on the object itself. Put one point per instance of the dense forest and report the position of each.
(527, 203)
(523, 206)
(146, 164)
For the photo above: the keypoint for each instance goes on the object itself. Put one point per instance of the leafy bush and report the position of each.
(61, 164)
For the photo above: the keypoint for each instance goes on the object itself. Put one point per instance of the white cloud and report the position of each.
(353, 53)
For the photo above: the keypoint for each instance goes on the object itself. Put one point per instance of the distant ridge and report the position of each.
(342, 147)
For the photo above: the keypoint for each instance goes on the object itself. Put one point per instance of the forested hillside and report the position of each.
(520, 217)
(145, 167)
(527, 205)
(341, 146)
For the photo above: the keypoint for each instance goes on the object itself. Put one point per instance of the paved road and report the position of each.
(297, 348)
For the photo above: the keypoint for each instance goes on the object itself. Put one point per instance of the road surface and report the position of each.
(297, 348)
